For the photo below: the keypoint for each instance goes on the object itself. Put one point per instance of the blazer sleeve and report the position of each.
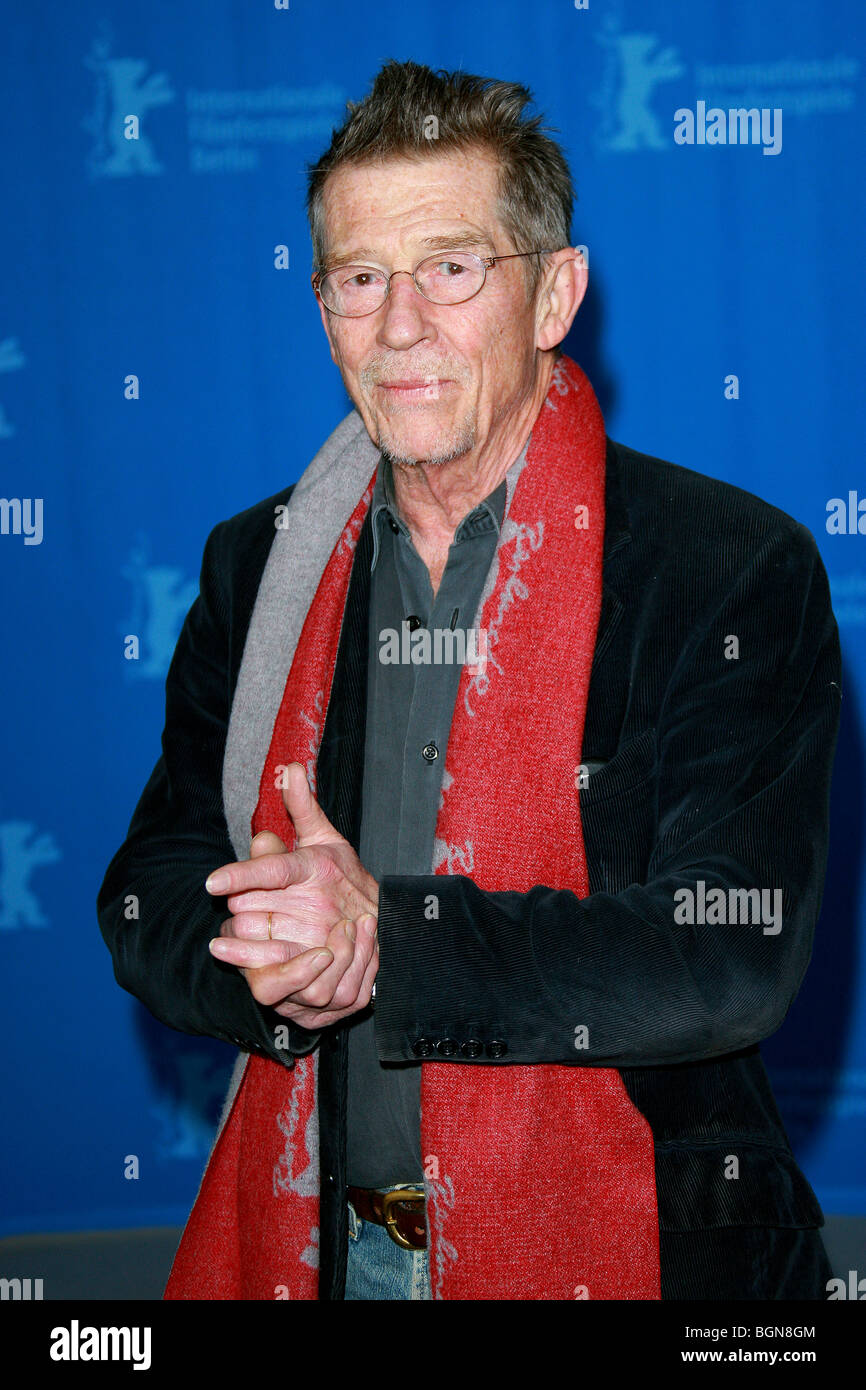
(743, 758)
(178, 835)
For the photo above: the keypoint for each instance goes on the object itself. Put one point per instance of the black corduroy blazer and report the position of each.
(710, 731)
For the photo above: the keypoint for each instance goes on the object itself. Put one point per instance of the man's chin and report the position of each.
(432, 457)
(434, 451)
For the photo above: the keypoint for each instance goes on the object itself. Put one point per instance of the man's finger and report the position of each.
(266, 843)
(316, 1019)
(326, 986)
(312, 826)
(272, 984)
(253, 954)
(269, 871)
(366, 991)
(307, 903)
(253, 926)
(346, 995)
(338, 987)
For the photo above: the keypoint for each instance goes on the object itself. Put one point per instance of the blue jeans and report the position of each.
(378, 1268)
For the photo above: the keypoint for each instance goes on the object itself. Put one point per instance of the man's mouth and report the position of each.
(413, 387)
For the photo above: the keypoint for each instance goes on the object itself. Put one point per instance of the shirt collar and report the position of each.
(384, 509)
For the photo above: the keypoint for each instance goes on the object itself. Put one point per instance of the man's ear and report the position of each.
(560, 300)
(326, 324)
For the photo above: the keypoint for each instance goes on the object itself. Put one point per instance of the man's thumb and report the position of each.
(312, 826)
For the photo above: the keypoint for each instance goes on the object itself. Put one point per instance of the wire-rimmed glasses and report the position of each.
(446, 277)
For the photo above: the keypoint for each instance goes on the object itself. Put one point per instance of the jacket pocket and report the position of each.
(631, 765)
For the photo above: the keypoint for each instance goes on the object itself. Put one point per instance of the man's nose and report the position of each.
(404, 319)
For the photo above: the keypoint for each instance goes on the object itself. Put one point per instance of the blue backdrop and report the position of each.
(162, 366)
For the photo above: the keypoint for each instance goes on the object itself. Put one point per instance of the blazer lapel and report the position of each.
(616, 535)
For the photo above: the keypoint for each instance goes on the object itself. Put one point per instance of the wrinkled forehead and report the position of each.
(412, 202)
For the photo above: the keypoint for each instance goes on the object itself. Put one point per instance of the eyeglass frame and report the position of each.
(487, 262)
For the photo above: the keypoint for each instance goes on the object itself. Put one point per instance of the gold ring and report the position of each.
(270, 938)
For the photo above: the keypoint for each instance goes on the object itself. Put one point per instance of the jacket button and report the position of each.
(472, 1048)
(447, 1047)
(497, 1048)
(423, 1047)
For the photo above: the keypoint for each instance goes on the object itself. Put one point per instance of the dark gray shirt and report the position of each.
(409, 709)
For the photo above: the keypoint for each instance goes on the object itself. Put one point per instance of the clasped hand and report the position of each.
(319, 964)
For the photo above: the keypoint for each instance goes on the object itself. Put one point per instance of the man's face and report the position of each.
(431, 382)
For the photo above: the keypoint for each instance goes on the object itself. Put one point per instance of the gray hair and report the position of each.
(413, 112)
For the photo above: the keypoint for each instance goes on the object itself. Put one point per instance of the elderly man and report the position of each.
(504, 752)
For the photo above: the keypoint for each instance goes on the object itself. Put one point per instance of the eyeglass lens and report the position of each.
(448, 279)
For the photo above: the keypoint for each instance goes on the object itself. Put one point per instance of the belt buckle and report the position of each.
(389, 1199)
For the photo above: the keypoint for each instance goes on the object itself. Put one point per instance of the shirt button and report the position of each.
(392, 523)
(413, 621)
(430, 752)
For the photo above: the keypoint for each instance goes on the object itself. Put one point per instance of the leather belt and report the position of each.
(401, 1213)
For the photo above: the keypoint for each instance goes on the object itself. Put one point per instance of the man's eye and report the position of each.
(359, 281)
(450, 269)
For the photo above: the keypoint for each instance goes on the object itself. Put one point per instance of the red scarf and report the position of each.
(540, 1179)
